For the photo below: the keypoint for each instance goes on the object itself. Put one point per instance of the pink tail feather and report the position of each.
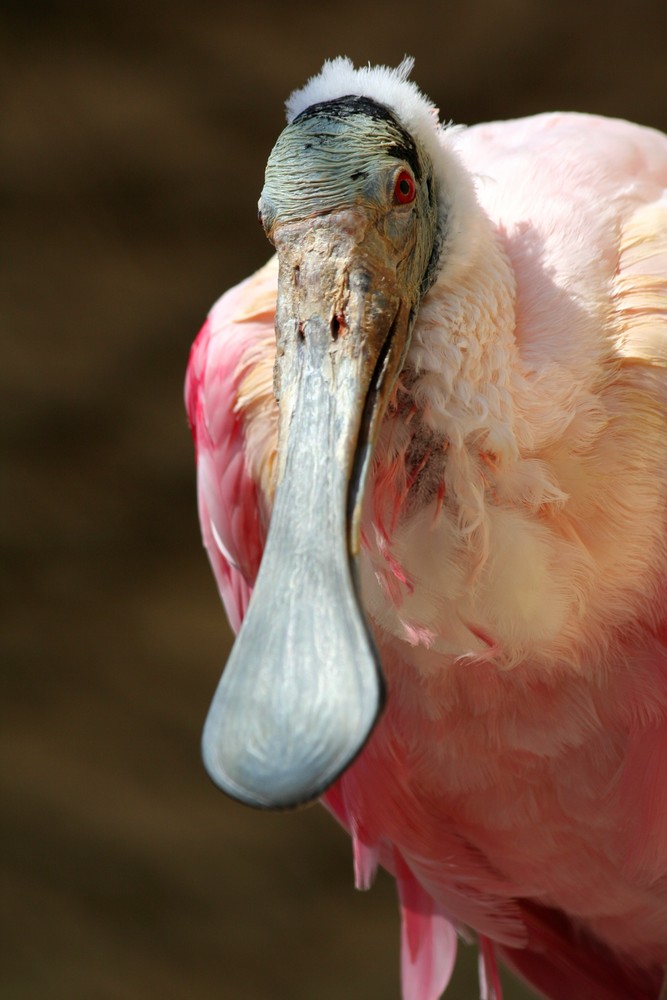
(428, 940)
(490, 987)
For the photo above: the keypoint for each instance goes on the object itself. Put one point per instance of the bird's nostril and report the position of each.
(337, 325)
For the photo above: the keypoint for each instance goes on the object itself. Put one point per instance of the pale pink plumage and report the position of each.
(516, 580)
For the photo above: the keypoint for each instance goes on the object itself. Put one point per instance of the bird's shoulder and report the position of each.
(580, 202)
(559, 140)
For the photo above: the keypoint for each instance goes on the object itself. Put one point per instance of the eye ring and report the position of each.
(405, 189)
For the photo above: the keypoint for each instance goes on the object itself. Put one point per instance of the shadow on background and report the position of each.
(134, 141)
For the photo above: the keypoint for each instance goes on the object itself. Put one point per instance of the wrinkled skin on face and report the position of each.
(350, 206)
(337, 295)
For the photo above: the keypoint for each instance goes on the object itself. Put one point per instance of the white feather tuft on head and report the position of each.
(391, 87)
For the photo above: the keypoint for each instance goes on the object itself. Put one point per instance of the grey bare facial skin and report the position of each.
(350, 206)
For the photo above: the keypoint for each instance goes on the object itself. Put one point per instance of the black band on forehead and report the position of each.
(344, 107)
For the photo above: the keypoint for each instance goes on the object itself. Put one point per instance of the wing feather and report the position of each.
(234, 345)
(640, 286)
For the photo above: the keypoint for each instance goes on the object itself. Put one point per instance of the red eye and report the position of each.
(404, 188)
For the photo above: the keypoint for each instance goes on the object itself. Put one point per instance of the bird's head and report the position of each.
(348, 175)
(350, 204)
(353, 203)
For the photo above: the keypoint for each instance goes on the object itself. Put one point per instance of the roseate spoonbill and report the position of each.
(452, 453)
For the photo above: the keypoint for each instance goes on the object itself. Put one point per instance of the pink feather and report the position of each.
(428, 940)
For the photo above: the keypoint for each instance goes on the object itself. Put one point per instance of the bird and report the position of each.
(431, 440)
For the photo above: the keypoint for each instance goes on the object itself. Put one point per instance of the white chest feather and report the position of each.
(547, 533)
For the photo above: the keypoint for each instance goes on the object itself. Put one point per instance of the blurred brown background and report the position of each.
(134, 137)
